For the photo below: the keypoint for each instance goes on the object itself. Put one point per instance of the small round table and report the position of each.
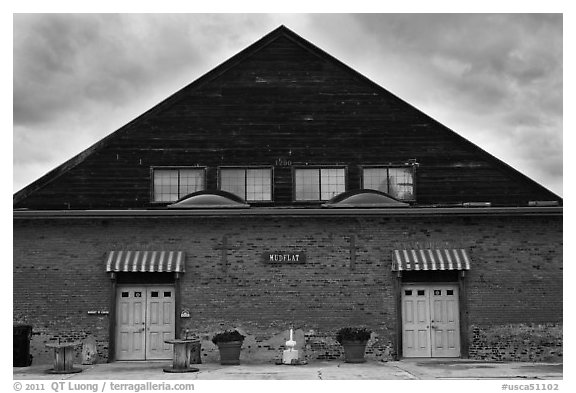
(182, 350)
(63, 358)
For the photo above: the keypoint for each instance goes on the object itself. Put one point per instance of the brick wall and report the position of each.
(518, 342)
(59, 276)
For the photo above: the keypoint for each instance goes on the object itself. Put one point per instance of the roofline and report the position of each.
(289, 212)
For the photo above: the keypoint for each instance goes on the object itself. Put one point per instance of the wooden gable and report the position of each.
(281, 102)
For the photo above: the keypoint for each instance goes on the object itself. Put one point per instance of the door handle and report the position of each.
(434, 327)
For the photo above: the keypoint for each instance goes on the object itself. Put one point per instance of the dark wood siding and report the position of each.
(285, 101)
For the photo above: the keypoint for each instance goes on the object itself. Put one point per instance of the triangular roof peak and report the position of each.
(280, 32)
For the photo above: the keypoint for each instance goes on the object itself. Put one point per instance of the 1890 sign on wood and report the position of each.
(284, 257)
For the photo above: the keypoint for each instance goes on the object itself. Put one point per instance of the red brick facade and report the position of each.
(59, 275)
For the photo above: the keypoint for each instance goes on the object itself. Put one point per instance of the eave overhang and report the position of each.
(289, 212)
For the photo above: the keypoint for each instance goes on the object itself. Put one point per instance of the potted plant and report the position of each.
(354, 341)
(229, 343)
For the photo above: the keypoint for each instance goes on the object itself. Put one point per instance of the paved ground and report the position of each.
(428, 369)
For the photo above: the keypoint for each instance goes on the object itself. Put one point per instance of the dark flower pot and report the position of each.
(230, 352)
(354, 351)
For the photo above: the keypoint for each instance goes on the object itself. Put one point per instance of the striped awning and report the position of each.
(430, 259)
(145, 261)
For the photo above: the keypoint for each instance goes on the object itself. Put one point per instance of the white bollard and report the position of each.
(290, 354)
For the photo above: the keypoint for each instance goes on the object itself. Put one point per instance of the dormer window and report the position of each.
(171, 184)
(397, 182)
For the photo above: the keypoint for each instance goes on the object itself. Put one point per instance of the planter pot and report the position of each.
(354, 351)
(230, 352)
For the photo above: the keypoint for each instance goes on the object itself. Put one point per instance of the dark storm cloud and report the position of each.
(49, 63)
(63, 61)
(476, 53)
(504, 71)
(78, 77)
(495, 79)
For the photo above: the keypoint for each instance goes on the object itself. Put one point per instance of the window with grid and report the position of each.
(395, 181)
(319, 184)
(171, 184)
(251, 184)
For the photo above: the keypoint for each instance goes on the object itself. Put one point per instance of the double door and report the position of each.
(144, 319)
(430, 320)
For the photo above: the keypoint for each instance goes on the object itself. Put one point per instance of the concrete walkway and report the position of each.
(429, 369)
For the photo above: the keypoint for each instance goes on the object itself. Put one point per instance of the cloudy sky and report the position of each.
(494, 79)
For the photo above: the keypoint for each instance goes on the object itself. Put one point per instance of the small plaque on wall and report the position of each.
(184, 314)
(285, 257)
(97, 312)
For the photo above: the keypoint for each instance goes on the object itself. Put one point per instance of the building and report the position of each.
(283, 189)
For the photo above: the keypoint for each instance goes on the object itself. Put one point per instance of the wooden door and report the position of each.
(445, 321)
(415, 321)
(430, 321)
(145, 318)
(131, 323)
(159, 322)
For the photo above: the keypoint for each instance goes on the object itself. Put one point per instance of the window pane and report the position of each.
(376, 179)
(258, 184)
(401, 183)
(307, 184)
(165, 185)
(332, 182)
(191, 180)
(234, 181)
